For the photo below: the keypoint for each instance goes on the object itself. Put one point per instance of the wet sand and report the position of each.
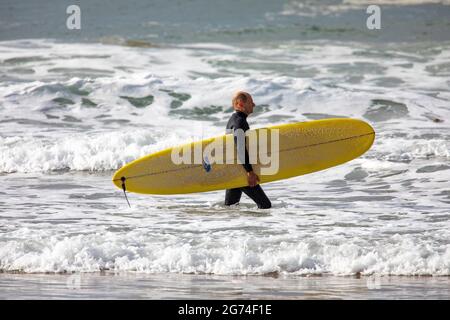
(107, 285)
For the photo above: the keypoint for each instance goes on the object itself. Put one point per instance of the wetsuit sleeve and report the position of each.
(247, 166)
(244, 126)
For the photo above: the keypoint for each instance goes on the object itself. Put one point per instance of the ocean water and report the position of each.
(76, 105)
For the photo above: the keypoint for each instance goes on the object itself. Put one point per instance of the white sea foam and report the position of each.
(78, 152)
(55, 121)
(110, 151)
(137, 251)
(385, 212)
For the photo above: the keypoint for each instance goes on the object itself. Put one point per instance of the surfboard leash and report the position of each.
(124, 190)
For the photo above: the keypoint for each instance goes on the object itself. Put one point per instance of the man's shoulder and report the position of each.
(231, 121)
(237, 122)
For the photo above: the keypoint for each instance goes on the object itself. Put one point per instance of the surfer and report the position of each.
(243, 105)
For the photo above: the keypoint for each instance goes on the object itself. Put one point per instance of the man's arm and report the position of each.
(247, 166)
(239, 128)
(252, 178)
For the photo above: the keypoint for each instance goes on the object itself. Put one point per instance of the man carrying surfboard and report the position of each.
(243, 105)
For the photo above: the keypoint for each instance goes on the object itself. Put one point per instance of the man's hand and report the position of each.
(252, 179)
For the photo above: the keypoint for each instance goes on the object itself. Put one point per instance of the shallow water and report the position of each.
(176, 286)
(76, 221)
(73, 109)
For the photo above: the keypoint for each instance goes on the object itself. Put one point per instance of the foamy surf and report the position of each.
(97, 124)
(224, 253)
(65, 128)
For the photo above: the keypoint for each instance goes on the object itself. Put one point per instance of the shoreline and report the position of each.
(129, 285)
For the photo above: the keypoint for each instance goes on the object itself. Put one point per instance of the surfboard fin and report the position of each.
(124, 190)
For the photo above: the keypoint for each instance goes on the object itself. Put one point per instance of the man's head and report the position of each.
(242, 101)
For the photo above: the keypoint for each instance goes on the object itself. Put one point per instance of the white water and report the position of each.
(65, 128)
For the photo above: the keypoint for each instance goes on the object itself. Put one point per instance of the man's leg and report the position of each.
(232, 196)
(257, 194)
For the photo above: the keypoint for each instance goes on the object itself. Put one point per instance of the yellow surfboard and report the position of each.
(303, 147)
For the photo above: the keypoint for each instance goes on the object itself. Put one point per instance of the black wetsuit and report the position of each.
(238, 120)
